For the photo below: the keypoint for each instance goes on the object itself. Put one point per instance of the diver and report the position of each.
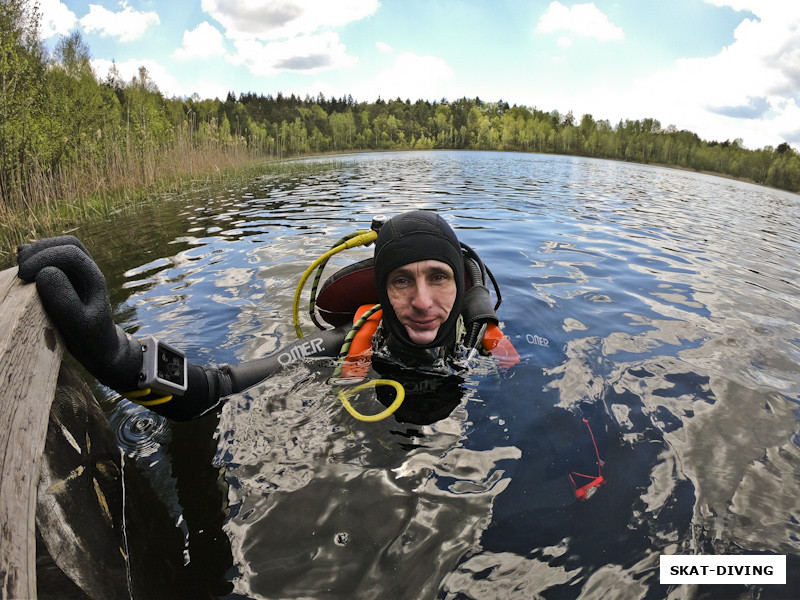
(427, 312)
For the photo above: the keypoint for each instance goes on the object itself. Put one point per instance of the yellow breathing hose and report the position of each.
(363, 238)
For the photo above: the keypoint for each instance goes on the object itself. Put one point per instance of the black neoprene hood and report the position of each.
(412, 237)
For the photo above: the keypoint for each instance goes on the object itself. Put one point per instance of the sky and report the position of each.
(723, 69)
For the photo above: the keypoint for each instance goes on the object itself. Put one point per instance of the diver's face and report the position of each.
(422, 295)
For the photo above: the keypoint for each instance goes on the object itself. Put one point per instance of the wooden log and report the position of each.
(30, 358)
(81, 500)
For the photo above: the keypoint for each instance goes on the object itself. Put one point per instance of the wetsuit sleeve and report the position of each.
(321, 343)
(207, 387)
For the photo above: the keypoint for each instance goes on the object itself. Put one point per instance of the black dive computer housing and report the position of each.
(163, 368)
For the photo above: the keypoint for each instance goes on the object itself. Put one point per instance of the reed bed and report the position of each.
(55, 201)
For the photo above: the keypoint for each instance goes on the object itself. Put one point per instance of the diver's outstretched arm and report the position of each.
(74, 293)
(207, 387)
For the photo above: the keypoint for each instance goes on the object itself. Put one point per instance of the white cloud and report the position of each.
(127, 25)
(204, 41)
(585, 20)
(57, 19)
(279, 19)
(749, 90)
(739, 5)
(384, 48)
(275, 36)
(412, 77)
(308, 54)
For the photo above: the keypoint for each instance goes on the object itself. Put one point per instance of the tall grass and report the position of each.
(52, 201)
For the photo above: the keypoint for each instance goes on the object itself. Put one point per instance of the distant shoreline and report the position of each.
(62, 218)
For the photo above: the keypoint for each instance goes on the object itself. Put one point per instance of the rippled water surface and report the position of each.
(660, 305)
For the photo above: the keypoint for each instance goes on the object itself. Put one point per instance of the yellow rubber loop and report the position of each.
(136, 394)
(344, 394)
(359, 240)
(154, 402)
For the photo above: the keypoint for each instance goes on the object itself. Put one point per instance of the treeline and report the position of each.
(313, 125)
(66, 131)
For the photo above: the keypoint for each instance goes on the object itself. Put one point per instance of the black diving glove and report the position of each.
(73, 292)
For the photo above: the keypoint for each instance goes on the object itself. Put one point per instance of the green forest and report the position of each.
(67, 132)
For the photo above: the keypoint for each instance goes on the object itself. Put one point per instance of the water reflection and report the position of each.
(661, 305)
(322, 502)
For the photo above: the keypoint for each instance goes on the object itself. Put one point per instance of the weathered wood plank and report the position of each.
(81, 502)
(30, 357)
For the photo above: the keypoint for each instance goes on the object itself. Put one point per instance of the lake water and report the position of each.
(660, 305)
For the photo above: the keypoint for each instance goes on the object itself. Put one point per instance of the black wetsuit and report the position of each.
(410, 237)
